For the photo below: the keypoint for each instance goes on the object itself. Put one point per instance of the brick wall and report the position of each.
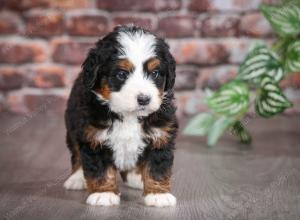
(43, 43)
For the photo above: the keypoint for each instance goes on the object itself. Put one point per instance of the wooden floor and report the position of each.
(229, 181)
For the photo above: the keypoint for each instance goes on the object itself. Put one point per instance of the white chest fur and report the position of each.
(126, 140)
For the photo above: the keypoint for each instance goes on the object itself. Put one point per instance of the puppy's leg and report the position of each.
(101, 177)
(133, 178)
(76, 181)
(156, 175)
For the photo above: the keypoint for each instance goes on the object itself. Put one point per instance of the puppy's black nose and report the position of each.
(143, 99)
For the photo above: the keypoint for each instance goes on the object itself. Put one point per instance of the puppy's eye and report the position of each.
(122, 75)
(155, 74)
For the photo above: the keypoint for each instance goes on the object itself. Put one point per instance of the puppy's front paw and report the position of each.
(160, 200)
(76, 181)
(103, 199)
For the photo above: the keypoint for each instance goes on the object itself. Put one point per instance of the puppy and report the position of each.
(121, 117)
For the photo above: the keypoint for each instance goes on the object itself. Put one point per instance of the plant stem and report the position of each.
(240, 131)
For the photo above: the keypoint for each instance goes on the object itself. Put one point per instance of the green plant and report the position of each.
(257, 79)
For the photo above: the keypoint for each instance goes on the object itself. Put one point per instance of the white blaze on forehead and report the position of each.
(137, 46)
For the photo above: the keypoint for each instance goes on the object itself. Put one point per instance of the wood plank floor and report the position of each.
(229, 181)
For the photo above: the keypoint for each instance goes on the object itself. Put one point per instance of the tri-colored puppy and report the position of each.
(121, 117)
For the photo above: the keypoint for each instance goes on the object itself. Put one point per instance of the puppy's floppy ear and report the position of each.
(90, 68)
(171, 75)
(163, 51)
(96, 63)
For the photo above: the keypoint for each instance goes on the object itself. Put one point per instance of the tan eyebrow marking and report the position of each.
(152, 64)
(125, 64)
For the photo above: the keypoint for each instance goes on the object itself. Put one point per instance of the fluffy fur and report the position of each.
(121, 116)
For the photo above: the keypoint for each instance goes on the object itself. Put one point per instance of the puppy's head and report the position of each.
(130, 69)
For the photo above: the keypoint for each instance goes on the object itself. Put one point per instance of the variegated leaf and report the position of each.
(271, 100)
(285, 19)
(232, 99)
(293, 57)
(259, 62)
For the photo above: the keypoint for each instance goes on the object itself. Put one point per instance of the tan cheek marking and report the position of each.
(153, 64)
(105, 91)
(106, 184)
(125, 64)
(155, 186)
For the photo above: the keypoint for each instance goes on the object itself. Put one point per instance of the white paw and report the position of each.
(76, 181)
(160, 199)
(103, 199)
(134, 180)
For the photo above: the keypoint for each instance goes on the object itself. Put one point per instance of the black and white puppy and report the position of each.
(121, 117)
